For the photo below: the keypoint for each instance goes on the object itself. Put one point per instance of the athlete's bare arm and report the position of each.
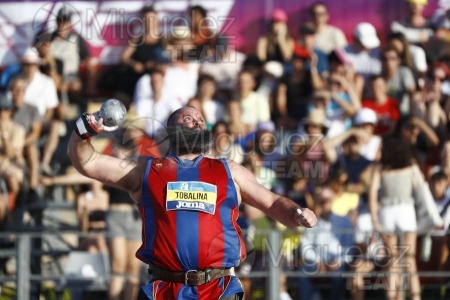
(122, 174)
(275, 206)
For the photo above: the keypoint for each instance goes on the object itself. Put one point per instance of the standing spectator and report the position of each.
(327, 37)
(277, 44)
(386, 108)
(124, 228)
(364, 53)
(400, 79)
(143, 52)
(255, 108)
(28, 116)
(392, 210)
(416, 28)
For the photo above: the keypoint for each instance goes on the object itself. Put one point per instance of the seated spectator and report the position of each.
(345, 203)
(363, 130)
(386, 108)
(306, 39)
(411, 56)
(157, 107)
(295, 89)
(69, 47)
(181, 74)
(41, 90)
(327, 37)
(12, 140)
(238, 129)
(212, 109)
(144, 52)
(202, 37)
(326, 248)
(363, 54)
(224, 147)
(276, 44)
(224, 67)
(415, 27)
(439, 185)
(255, 108)
(400, 81)
(28, 116)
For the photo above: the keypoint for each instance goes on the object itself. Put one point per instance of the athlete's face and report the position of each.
(191, 118)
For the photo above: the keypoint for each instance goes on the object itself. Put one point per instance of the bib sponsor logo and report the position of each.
(191, 195)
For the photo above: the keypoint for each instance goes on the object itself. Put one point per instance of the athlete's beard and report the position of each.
(184, 140)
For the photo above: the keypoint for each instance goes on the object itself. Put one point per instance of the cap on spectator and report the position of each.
(31, 56)
(274, 68)
(365, 116)
(64, 14)
(266, 126)
(301, 52)
(307, 28)
(316, 117)
(423, 2)
(367, 35)
(279, 15)
(5, 101)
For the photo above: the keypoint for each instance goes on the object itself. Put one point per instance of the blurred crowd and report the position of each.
(354, 130)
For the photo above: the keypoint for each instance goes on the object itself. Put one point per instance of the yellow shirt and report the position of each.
(345, 203)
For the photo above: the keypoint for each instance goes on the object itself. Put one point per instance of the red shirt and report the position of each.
(386, 114)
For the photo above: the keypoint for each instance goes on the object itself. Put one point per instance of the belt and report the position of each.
(191, 277)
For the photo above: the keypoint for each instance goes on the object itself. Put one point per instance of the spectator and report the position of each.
(181, 75)
(212, 109)
(12, 139)
(306, 39)
(143, 52)
(439, 187)
(224, 67)
(399, 79)
(238, 129)
(411, 56)
(277, 44)
(70, 48)
(345, 202)
(124, 233)
(202, 36)
(386, 108)
(325, 248)
(224, 147)
(255, 108)
(41, 90)
(28, 116)
(156, 108)
(327, 37)
(392, 209)
(296, 88)
(363, 54)
(416, 28)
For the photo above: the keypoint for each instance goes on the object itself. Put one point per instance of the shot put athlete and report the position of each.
(189, 205)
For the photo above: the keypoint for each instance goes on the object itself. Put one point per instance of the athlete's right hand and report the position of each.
(89, 125)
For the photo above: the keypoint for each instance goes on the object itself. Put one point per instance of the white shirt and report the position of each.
(213, 110)
(365, 62)
(179, 83)
(224, 72)
(255, 109)
(370, 149)
(155, 113)
(41, 92)
(329, 39)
